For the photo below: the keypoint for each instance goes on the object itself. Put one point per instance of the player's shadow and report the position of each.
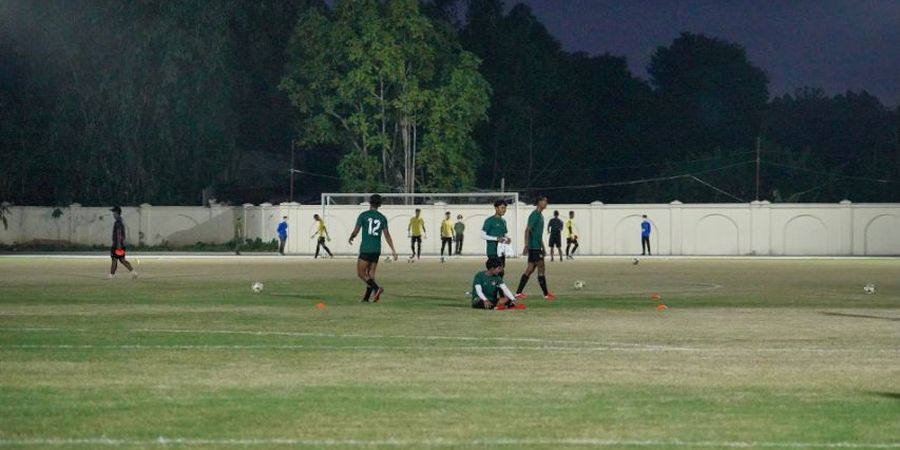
(443, 301)
(286, 295)
(861, 316)
(451, 304)
(891, 395)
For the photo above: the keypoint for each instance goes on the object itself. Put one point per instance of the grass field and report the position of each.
(751, 353)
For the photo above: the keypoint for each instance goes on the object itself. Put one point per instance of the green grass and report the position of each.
(771, 353)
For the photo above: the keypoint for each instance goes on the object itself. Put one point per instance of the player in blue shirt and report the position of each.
(645, 236)
(282, 234)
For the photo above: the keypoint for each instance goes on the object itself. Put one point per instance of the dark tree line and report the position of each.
(561, 119)
(104, 101)
(160, 101)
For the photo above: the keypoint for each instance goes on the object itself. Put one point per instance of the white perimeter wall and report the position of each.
(757, 228)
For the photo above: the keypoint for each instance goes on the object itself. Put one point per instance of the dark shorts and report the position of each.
(571, 240)
(501, 258)
(535, 255)
(415, 239)
(113, 255)
(446, 239)
(555, 240)
(370, 257)
(478, 303)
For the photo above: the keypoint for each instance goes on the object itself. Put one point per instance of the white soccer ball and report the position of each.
(869, 289)
(579, 285)
(256, 287)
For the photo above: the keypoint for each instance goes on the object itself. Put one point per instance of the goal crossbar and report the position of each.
(419, 198)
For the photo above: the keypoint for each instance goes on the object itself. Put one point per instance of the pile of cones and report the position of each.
(660, 306)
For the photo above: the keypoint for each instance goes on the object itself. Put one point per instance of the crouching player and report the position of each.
(489, 291)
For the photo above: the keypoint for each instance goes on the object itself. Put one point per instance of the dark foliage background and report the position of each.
(171, 102)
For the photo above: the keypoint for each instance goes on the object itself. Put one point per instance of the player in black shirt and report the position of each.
(117, 252)
(554, 229)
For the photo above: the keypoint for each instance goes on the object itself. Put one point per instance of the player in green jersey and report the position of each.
(373, 224)
(488, 289)
(534, 249)
(494, 232)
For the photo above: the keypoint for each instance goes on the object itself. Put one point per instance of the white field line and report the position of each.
(247, 257)
(542, 344)
(316, 347)
(555, 349)
(419, 443)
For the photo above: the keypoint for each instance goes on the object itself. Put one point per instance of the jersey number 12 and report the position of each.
(374, 227)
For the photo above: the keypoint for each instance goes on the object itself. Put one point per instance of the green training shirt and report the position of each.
(489, 286)
(459, 228)
(371, 224)
(494, 226)
(536, 223)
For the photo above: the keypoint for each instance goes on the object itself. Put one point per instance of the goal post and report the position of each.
(400, 207)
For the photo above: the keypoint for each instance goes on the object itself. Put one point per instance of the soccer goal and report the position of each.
(475, 207)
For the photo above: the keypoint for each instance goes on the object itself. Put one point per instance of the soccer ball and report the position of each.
(869, 289)
(579, 285)
(256, 287)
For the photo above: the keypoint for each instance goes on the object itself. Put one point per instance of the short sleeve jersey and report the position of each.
(238, 227)
(371, 224)
(536, 223)
(322, 231)
(489, 285)
(459, 228)
(570, 228)
(447, 228)
(555, 225)
(118, 234)
(416, 225)
(494, 226)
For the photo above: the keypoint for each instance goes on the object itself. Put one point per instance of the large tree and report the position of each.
(153, 101)
(522, 62)
(710, 95)
(396, 92)
(128, 113)
(603, 117)
(847, 142)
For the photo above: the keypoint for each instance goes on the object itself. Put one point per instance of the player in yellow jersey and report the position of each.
(446, 235)
(416, 232)
(571, 236)
(322, 232)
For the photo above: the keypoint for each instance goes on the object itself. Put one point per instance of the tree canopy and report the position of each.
(172, 102)
(397, 93)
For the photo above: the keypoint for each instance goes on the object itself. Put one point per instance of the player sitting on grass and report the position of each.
(488, 289)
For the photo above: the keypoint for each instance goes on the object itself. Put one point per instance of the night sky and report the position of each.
(835, 45)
